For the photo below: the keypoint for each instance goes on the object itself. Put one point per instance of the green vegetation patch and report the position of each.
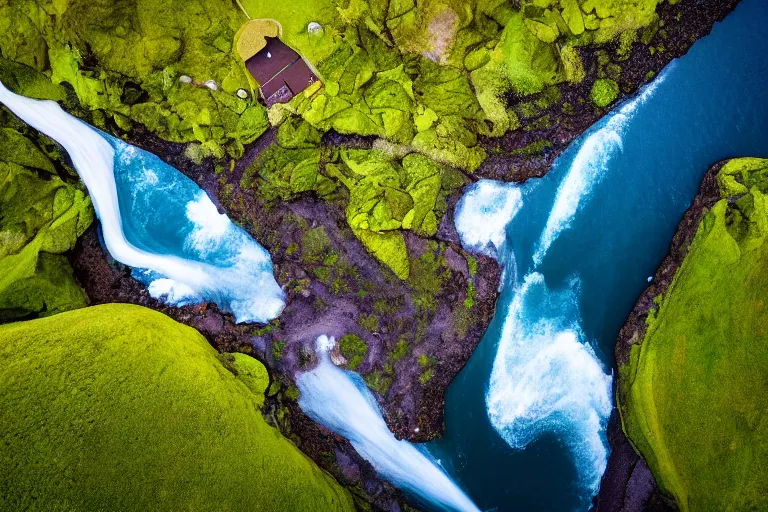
(384, 195)
(692, 397)
(124, 60)
(433, 75)
(41, 218)
(604, 92)
(118, 407)
(354, 350)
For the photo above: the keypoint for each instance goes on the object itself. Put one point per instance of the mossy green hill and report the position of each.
(117, 407)
(693, 395)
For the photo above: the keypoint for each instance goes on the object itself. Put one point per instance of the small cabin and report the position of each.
(280, 72)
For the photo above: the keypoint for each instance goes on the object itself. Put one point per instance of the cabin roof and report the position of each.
(280, 71)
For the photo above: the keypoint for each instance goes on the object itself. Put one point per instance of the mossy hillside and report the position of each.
(120, 407)
(124, 59)
(433, 74)
(692, 396)
(383, 78)
(604, 92)
(382, 195)
(41, 217)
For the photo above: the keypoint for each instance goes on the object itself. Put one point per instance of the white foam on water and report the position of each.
(340, 401)
(588, 168)
(172, 292)
(210, 225)
(252, 296)
(482, 215)
(547, 379)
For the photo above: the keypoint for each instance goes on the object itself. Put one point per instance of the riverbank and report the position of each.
(628, 483)
(549, 126)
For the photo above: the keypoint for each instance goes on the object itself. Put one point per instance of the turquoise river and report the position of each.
(525, 419)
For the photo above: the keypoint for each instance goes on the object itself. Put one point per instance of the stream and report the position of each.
(159, 222)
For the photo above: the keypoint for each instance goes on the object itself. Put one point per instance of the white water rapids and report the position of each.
(546, 378)
(340, 401)
(245, 286)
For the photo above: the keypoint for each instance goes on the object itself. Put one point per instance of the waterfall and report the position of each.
(590, 165)
(340, 401)
(134, 194)
(546, 378)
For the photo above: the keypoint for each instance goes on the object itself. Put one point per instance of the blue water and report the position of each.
(164, 212)
(640, 175)
(159, 222)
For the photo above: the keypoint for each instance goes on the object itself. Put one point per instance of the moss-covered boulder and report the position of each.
(604, 92)
(41, 217)
(692, 394)
(383, 195)
(118, 407)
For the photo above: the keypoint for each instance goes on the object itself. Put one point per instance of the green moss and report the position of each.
(314, 244)
(369, 322)
(354, 350)
(401, 350)
(122, 394)
(692, 395)
(430, 78)
(534, 148)
(292, 393)
(427, 364)
(469, 302)
(124, 59)
(24, 77)
(41, 218)
(428, 276)
(379, 382)
(604, 92)
(278, 349)
(426, 376)
(389, 248)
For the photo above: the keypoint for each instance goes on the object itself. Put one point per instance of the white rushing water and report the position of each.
(340, 401)
(546, 378)
(251, 295)
(482, 215)
(588, 167)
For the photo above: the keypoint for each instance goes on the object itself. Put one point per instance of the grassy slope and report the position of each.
(117, 407)
(694, 393)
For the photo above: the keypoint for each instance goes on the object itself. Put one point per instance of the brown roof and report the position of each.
(280, 71)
